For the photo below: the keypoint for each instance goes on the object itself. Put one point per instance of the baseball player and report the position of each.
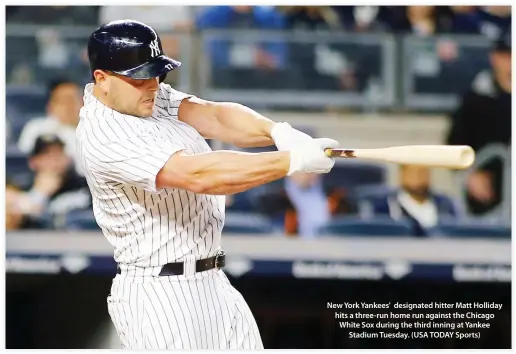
(158, 191)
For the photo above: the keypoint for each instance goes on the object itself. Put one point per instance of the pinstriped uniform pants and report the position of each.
(202, 311)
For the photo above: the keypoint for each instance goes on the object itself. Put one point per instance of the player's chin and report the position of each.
(146, 108)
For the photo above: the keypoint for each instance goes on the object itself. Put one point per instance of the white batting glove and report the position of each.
(309, 157)
(285, 137)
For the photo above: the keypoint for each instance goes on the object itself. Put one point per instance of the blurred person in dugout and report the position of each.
(305, 204)
(414, 200)
(63, 106)
(484, 118)
(56, 188)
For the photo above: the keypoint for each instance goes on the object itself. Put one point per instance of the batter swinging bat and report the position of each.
(448, 156)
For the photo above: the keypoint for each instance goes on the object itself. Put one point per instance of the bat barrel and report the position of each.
(467, 157)
(447, 156)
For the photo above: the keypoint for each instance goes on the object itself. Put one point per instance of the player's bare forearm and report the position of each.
(223, 172)
(229, 122)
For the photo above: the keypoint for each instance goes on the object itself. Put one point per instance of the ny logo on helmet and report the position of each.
(154, 47)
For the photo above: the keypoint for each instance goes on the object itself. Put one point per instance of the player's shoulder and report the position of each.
(103, 126)
(170, 94)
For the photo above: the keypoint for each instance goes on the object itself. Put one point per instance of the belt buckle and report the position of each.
(217, 259)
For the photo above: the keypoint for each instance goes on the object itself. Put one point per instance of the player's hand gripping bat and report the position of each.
(447, 156)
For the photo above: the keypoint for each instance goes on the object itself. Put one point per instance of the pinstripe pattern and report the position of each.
(200, 312)
(121, 156)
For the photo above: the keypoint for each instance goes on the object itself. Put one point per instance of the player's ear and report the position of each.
(101, 80)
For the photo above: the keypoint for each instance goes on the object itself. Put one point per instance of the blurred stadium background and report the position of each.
(368, 76)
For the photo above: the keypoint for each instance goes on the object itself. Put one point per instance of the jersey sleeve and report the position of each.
(135, 161)
(172, 98)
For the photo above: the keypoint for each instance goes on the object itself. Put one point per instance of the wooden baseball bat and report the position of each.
(447, 156)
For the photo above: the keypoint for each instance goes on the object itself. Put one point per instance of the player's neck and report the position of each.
(99, 95)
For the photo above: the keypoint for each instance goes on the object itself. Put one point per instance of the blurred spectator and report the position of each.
(20, 74)
(53, 15)
(21, 212)
(167, 20)
(424, 20)
(225, 53)
(463, 9)
(305, 204)
(464, 20)
(53, 51)
(161, 18)
(491, 21)
(341, 18)
(311, 18)
(366, 19)
(57, 188)
(329, 65)
(371, 18)
(414, 200)
(495, 21)
(310, 207)
(484, 118)
(317, 67)
(54, 45)
(63, 107)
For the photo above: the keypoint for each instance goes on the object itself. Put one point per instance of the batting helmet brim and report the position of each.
(158, 67)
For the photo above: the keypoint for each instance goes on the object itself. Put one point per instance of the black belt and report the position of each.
(201, 265)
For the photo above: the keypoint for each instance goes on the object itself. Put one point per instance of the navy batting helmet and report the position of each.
(129, 48)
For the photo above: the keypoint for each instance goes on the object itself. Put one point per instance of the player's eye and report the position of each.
(142, 83)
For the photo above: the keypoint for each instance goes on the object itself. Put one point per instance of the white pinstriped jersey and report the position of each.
(121, 156)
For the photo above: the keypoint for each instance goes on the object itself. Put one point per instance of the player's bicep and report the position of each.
(194, 111)
(201, 115)
(135, 161)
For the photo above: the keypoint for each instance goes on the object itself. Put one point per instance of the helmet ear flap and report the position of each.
(162, 78)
